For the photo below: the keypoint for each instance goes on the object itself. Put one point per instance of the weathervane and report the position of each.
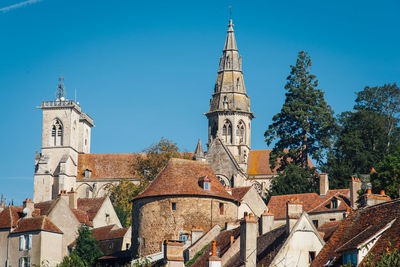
(60, 89)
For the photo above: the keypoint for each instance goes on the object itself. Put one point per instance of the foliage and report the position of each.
(294, 180)
(43, 263)
(156, 157)
(86, 248)
(73, 260)
(142, 262)
(387, 176)
(200, 252)
(121, 196)
(390, 258)
(305, 125)
(366, 135)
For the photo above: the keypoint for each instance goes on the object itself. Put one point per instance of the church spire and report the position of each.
(198, 152)
(230, 43)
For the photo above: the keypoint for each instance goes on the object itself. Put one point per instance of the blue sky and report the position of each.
(146, 69)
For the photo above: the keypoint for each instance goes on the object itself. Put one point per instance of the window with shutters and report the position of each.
(25, 242)
(25, 262)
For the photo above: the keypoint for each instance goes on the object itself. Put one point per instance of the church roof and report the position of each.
(181, 177)
(258, 163)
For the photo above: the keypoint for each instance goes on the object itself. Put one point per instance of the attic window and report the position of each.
(334, 204)
(205, 183)
(88, 173)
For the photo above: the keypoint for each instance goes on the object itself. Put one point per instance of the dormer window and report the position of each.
(205, 183)
(334, 203)
(87, 173)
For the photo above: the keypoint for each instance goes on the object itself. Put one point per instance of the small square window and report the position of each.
(173, 205)
(315, 222)
(311, 256)
(332, 219)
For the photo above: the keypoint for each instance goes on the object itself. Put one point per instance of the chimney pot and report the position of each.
(214, 248)
(369, 191)
(382, 192)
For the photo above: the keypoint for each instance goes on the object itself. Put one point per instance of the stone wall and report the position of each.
(154, 219)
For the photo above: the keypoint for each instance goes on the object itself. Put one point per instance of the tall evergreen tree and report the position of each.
(86, 247)
(305, 125)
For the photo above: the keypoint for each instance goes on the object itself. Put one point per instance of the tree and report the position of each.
(305, 125)
(86, 248)
(71, 260)
(294, 180)
(387, 175)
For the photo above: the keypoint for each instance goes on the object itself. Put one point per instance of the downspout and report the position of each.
(8, 244)
(211, 213)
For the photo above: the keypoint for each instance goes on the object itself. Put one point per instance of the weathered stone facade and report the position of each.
(154, 219)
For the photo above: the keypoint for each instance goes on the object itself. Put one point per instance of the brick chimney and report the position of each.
(197, 233)
(214, 260)
(294, 209)
(73, 199)
(28, 207)
(355, 185)
(323, 184)
(266, 222)
(248, 241)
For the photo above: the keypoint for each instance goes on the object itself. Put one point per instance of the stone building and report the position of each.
(184, 194)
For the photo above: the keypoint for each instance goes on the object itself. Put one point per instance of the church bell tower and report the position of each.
(229, 116)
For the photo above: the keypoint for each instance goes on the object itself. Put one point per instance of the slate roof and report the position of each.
(238, 193)
(258, 163)
(358, 227)
(36, 224)
(181, 177)
(269, 244)
(312, 202)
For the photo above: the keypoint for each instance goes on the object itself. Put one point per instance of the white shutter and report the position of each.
(21, 242)
(30, 242)
(28, 261)
(21, 262)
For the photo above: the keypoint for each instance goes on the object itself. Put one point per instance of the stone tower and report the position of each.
(65, 134)
(229, 116)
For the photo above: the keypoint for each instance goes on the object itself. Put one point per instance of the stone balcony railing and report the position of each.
(58, 103)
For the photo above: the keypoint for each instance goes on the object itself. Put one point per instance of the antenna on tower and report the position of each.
(75, 95)
(60, 94)
(230, 12)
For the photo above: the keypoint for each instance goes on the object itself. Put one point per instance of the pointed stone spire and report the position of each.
(198, 152)
(230, 43)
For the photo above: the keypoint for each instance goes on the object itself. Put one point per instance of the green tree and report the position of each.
(305, 125)
(72, 260)
(86, 248)
(387, 175)
(294, 180)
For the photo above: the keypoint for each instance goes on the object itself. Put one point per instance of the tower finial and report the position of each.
(60, 89)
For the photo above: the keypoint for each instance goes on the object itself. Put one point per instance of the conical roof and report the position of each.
(182, 177)
(198, 152)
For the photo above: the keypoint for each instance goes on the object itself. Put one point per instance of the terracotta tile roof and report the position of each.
(181, 177)
(312, 202)
(112, 165)
(328, 229)
(82, 216)
(118, 165)
(36, 224)
(46, 206)
(109, 232)
(223, 242)
(277, 204)
(258, 163)
(90, 205)
(9, 216)
(239, 192)
(357, 227)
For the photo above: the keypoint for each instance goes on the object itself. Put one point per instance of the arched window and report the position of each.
(227, 132)
(57, 133)
(228, 62)
(240, 132)
(238, 84)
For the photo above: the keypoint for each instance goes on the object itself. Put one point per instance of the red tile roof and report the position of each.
(258, 163)
(36, 224)
(82, 216)
(112, 165)
(90, 205)
(312, 202)
(181, 177)
(46, 206)
(9, 216)
(359, 226)
(328, 229)
(238, 193)
(109, 232)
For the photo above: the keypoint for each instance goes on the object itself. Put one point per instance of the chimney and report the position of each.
(248, 241)
(73, 199)
(173, 253)
(28, 207)
(63, 195)
(197, 233)
(214, 260)
(323, 184)
(355, 185)
(266, 222)
(294, 209)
